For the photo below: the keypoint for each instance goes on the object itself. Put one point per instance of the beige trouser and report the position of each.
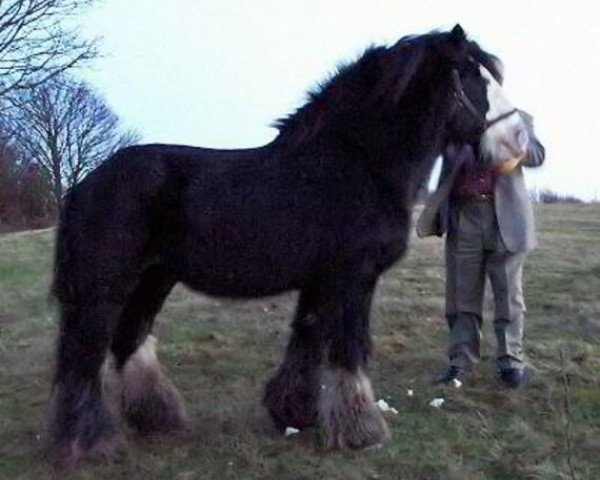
(474, 248)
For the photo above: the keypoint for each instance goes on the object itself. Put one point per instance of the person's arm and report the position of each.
(536, 153)
(455, 155)
(434, 217)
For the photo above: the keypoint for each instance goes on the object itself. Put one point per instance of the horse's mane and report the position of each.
(376, 80)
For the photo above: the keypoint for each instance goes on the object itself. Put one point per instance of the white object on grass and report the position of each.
(410, 393)
(437, 402)
(375, 446)
(385, 407)
(456, 382)
(289, 431)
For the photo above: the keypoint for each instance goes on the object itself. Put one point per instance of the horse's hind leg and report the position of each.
(148, 400)
(80, 424)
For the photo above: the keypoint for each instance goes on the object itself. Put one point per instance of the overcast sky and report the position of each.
(216, 73)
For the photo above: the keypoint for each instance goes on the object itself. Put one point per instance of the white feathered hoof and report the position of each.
(149, 401)
(347, 411)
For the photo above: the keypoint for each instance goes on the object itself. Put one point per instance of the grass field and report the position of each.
(219, 354)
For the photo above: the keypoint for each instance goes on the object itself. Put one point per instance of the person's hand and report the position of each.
(509, 165)
(458, 153)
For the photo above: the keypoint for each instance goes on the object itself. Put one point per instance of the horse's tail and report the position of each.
(64, 251)
(116, 197)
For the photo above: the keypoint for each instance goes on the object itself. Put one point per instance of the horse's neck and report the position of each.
(411, 148)
(400, 167)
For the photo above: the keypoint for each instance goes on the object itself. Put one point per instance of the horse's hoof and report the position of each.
(347, 412)
(104, 450)
(365, 430)
(149, 401)
(157, 413)
(291, 400)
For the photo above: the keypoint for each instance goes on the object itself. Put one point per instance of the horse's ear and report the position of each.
(455, 44)
(458, 34)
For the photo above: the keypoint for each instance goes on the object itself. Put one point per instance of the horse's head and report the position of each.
(480, 110)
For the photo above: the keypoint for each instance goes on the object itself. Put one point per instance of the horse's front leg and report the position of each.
(291, 394)
(346, 406)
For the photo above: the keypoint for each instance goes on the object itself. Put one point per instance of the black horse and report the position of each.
(324, 209)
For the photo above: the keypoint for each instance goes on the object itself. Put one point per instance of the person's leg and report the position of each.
(505, 271)
(465, 284)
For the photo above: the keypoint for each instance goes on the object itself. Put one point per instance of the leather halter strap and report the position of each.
(461, 96)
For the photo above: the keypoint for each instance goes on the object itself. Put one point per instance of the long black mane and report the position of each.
(383, 86)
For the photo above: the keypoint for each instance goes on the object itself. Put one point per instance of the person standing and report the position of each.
(487, 217)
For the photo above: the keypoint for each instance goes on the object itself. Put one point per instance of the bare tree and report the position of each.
(36, 42)
(8, 186)
(66, 128)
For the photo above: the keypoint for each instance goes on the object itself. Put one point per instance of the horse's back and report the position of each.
(159, 203)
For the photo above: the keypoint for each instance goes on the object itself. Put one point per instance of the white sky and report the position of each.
(217, 73)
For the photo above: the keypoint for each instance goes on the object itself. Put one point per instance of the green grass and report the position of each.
(220, 353)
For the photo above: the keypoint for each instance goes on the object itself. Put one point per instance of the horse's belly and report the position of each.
(247, 283)
(239, 271)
